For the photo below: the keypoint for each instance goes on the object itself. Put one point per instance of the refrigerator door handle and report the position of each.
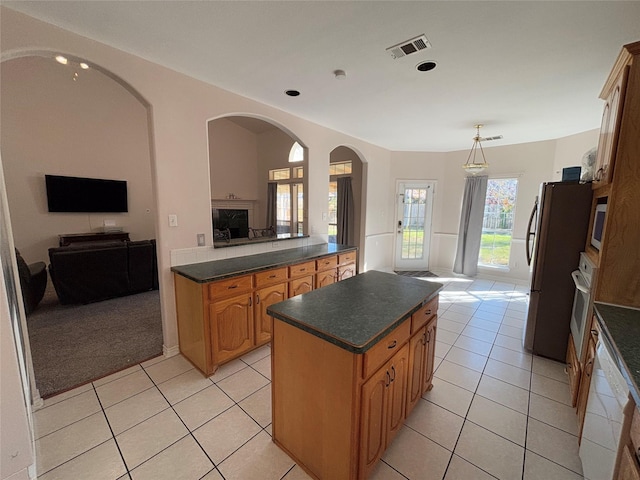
(577, 279)
(529, 232)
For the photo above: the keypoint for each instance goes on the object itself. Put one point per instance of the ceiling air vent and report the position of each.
(408, 47)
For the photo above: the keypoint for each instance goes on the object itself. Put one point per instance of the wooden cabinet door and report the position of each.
(430, 354)
(628, 469)
(373, 420)
(300, 286)
(397, 392)
(326, 278)
(346, 271)
(415, 375)
(585, 382)
(264, 298)
(573, 369)
(609, 130)
(231, 327)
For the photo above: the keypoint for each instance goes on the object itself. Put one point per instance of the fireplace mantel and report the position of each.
(233, 203)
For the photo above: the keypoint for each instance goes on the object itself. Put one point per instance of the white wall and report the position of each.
(90, 127)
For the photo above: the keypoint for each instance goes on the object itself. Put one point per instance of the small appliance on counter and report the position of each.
(571, 174)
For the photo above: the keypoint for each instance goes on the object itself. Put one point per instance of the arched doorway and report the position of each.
(70, 117)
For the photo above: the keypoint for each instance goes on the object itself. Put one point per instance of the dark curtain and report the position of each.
(345, 212)
(470, 232)
(272, 205)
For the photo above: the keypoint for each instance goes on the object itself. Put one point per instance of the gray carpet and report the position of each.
(75, 344)
(415, 273)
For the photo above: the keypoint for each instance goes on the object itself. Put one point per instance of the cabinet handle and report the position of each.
(392, 344)
(388, 380)
(393, 370)
(303, 269)
(594, 332)
(232, 287)
(250, 301)
(273, 276)
(428, 312)
(257, 299)
(424, 338)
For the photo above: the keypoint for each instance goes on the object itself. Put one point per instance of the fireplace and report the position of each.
(236, 220)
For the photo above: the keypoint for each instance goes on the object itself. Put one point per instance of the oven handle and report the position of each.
(577, 279)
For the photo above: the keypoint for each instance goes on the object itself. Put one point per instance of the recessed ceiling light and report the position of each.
(292, 93)
(84, 66)
(426, 66)
(61, 59)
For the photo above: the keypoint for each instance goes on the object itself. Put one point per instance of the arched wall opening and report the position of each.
(67, 120)
(358, 173)
(244, 151)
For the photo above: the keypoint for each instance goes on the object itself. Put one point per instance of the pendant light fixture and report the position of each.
(471, 165)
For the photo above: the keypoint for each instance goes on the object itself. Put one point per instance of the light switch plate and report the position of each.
(173, 220)
(201, 239)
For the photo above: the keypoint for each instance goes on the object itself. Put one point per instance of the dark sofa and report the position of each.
(33, 282)
(95, 271)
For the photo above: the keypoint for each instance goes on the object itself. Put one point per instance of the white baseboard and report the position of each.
(169, 352)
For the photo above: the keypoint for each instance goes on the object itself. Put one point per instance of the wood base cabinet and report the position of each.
(383, 409)
(587, 371)
(574, 370)
(224, 319)
(264, 298)
(351, 405)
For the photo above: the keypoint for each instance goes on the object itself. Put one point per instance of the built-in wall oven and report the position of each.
(582, 301)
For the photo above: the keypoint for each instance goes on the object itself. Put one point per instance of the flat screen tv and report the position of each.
(76, 194)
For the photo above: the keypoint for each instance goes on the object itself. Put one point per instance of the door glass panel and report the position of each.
(415, 200)
(283, 211)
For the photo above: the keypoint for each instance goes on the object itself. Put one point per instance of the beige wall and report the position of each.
(570, 150)
(180, 109)
(233, 160)
(91, 127)
(532, 163)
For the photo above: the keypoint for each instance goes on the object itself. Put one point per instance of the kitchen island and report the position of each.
(349, 362)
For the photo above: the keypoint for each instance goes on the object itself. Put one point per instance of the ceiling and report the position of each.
(527, 70)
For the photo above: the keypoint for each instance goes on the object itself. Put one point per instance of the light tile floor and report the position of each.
(494, 412)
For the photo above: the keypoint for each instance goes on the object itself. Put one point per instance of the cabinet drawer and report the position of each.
(302, 269)
(327, 263)
(231, 286)
(345, 258)
(422, 316)
(385, 348)
(269, 277)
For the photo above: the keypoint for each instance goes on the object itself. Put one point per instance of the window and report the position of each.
(497, 224)
(280, 174)
(290, 194)
(336, 170)
(296, 154)
(340, 168)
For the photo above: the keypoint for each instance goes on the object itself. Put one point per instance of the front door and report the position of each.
(413, 225)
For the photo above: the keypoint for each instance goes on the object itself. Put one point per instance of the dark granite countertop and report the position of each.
(621, 327)
(356, 313)
(218, 269)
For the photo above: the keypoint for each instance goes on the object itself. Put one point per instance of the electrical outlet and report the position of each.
(201, 239)
(173, 220)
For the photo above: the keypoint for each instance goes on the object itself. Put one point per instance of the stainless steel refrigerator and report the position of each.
(561, 220)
